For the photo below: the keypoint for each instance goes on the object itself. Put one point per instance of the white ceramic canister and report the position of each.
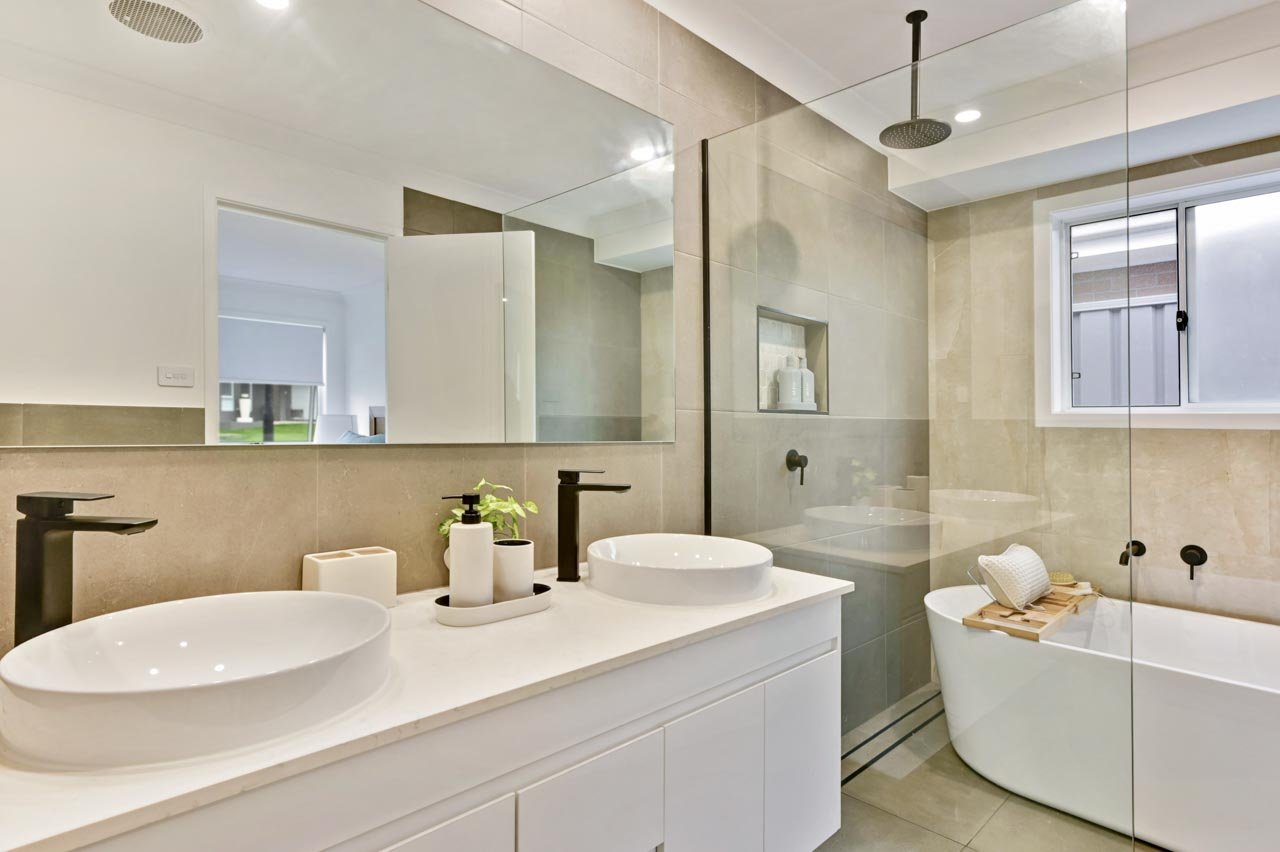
(512, 569)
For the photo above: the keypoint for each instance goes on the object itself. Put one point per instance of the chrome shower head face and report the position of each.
(915, 133)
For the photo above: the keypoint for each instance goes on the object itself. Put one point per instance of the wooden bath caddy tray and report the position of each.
(1030, 624)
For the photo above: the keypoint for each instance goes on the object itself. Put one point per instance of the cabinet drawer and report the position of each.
(488, 828)
(611, 803)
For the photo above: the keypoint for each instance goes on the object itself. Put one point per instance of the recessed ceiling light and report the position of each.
(274, 4)
(965, 116)
(643, 153)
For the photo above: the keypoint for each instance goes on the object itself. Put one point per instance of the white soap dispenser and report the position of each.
(470, 556)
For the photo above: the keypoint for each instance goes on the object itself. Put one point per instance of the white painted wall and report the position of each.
(125, 231)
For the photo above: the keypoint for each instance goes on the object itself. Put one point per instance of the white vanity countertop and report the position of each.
(440, 675)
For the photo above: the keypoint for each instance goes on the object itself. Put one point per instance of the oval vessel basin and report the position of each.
(690, 570)
(191, 677)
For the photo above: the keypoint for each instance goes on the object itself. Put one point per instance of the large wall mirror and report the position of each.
(349, 223)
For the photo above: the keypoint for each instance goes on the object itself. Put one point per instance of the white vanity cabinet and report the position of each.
(490, 827)
(715, 777)
(729, 742)
(613, 801)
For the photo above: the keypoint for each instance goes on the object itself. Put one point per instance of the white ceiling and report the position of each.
(388, 88)
(269, 250)
(811, 48)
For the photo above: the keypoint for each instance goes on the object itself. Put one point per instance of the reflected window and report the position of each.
(265, 413)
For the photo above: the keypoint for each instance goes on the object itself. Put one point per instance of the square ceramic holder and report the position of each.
(368, 572)
(471, 616)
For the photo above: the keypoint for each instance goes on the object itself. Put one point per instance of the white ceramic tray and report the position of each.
(470, 616)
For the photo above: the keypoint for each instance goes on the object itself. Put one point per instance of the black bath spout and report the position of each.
(571, 485)
(42, 594)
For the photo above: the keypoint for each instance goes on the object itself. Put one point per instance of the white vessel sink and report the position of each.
(690, 570)
(888, 529)
(190, 677)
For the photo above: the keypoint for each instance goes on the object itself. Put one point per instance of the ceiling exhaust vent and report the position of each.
(156, 20)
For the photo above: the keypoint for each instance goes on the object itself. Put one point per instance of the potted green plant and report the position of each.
(512, 556)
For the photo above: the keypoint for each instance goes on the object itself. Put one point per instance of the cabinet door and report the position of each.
(802, 756)
(489, 828)
(611, 803)
(715, 777)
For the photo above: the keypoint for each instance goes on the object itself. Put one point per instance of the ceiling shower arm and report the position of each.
(915, 19)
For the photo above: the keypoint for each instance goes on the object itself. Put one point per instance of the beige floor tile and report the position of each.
(925, 782)
(868, 829)
(1019, 820)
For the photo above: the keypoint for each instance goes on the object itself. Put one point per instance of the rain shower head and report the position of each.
(916, 132)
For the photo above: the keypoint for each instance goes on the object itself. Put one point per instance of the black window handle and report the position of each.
(1181, 321)
(795, 461)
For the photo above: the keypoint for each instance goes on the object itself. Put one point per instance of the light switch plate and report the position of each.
(176, 377)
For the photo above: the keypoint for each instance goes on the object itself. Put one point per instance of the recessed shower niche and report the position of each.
(791, 363)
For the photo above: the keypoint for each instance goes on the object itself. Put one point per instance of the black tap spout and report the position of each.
(571, 485)
(43, 581)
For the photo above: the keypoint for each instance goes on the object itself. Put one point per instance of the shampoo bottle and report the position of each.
(807, 383)
(790, 384)
(470, 556)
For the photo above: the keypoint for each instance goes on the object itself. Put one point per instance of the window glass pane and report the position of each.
(1124, 287)
(1234, 299)
(270, 414)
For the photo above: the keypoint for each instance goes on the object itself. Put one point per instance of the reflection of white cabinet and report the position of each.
(802, 785)
(491, 828)
(610, 803)
(715, 777)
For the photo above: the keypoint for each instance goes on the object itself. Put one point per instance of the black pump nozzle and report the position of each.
(471, 502)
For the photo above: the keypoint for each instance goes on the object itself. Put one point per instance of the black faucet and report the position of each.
(42, 599)
(570, 487)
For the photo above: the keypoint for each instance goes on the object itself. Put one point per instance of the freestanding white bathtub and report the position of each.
(1194, 720)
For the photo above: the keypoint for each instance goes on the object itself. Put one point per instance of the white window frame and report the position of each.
(1052, 221)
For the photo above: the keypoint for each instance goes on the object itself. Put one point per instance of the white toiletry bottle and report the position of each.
(806, 382)
(470, 556)
(790, 384)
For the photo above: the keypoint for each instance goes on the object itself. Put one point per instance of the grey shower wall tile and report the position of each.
(863, 685)
(793, 233)
(110, 425)
(906, 450)
(780, 498)
(733, 473)
(734, 298)
(734, 198)
(390, 496)
(705, 74)
(232, 519)
(687, 284)
(682, 476)
(860, 368)
(858, 254)
(10, 424)
(854, 460)
(908, 659)
(906, 272)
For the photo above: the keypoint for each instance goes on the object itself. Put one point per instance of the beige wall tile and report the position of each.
(600, 514)
(693, 122)
(10, 425)
(734, 297)
(734, 479)
(585, 62)
(624, 30)
(688, 202)
(705, 74)
(498, 18)
(110, 425)
(231, 520)
(391, 497)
